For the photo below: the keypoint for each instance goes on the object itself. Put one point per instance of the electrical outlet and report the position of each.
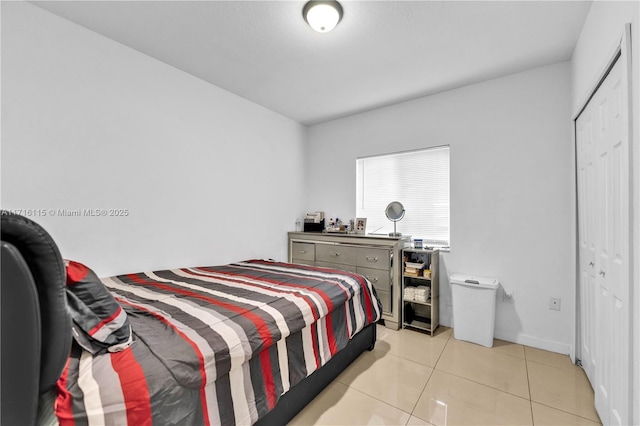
(554, 304)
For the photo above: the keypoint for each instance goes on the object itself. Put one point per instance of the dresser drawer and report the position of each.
(378, 277)
(344, 255)
(385, 299)
(304, 262)
(373, 258)
(303, 251)
(350, 268)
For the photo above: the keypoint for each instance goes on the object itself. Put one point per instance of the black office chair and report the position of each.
(35, 323)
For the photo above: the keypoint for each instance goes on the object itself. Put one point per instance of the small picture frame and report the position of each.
(361, 225)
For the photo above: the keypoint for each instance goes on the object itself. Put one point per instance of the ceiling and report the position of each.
(381, 53)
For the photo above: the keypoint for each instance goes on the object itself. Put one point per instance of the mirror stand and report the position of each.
(394, 212)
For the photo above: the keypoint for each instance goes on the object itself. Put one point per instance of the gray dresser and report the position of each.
(376, 257)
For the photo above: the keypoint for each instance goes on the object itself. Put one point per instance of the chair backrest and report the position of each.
(36, 325)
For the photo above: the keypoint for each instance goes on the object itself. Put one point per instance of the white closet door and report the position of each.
(587, 246)
(602, 133)
(613, 266)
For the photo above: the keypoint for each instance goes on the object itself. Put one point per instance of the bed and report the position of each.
(246, 343)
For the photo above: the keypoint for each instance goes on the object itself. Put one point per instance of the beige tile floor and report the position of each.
(411, 378)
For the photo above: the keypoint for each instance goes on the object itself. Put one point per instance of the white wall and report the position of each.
(512, 188)
(88, 123)
(600, 35)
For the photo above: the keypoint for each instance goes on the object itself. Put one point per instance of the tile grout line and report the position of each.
(421, 363)
(527, 361)
(544, 364)
(484, 384)
(386, 402)
(420, 396)
(429, 379)
(494, 349)
(526, 366)
(430, 376)
(567, 412)
(443, 349)
(375, 398)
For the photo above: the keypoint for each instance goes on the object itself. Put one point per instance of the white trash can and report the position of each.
(474, 308)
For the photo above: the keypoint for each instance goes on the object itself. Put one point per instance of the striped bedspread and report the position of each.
(215, 345)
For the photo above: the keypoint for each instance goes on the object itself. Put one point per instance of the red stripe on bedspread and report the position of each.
(267, 376)
(359, 278)
(249, 280)
(105, 321)
(203, 395)
(325, 297)
(265, 358)
(363, 284)
(261, 327)
(367, 297)
(245, 279)
(63, 404)
(315, 344)
(333, 346)
(134, 387)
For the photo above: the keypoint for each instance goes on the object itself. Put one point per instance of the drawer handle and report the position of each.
(372, 259)
(335, 254)
(373, 280)
(302, 251)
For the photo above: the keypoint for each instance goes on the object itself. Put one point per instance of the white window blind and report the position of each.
(419, 180)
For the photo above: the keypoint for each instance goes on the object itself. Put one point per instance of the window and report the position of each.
(419, 180)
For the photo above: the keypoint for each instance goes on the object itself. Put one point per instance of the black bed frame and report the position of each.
(301, 394)
(36, 329)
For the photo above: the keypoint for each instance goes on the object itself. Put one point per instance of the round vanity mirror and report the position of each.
(394, 212)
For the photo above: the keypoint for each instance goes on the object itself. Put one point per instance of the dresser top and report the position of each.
(361, 238)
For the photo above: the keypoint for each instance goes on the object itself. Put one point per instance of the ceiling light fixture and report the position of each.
(322, 16)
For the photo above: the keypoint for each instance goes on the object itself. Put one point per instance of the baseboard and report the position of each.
(535, 342)
(523, 339)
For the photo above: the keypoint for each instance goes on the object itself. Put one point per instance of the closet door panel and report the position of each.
(612, 348)
(586, 254)
(618, 267)
(603, 164)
